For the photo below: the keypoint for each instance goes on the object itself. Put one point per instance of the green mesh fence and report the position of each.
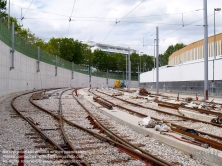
(5, 34)
(22, 46)
(47, 58)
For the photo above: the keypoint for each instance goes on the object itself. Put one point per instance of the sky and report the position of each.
(126, 23)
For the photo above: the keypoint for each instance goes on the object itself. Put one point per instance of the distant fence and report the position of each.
(186, 87)
(31, 51)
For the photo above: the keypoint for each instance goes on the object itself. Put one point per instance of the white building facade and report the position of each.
(108, 48)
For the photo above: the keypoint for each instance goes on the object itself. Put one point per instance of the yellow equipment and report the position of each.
(118, 84)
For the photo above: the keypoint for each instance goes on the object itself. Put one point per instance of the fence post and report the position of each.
(12, 50)
(107, 77)
(72, 70)
(56, 65)
(38, 60)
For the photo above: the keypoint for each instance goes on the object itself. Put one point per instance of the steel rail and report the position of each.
(176, 128)
(116, 137)
(157, 110)
(189, 108)
(139, 155)
(41, 133)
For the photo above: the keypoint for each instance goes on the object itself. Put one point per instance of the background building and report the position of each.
(185, 72)
(108, 48)
(194, 51)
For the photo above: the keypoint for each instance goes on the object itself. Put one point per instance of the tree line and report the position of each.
(74, 51)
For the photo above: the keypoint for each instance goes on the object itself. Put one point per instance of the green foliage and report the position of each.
(74, 51)
(147, 63)
(100, 60)
(163, 58)
(3, 8)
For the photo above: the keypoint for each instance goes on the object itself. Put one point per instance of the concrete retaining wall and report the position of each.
(25, 77)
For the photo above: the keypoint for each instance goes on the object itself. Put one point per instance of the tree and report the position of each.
(100, 60)
(3, 8)
(163, 58)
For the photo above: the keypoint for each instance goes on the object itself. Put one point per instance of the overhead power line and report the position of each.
(70, 18)
(109, 33)
(181, 28)
(132, 10)
(121, 19)
(27, 9)
(106, 17)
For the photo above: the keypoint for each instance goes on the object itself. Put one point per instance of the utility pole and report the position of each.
(9, 14)
(138, 77)
(154, 60)
(126, 71)
(205, 50)
(107, 78)
(129, 70)
(157, 60)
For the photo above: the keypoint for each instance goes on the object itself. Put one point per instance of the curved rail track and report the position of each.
(86, 138)
(123, 136)
(49, 132)
(94, 153)
(174, 117)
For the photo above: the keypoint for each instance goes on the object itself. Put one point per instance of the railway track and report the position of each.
(209, 107)
(135, 140)
(95, 148)
(49, 129)
(178, 122)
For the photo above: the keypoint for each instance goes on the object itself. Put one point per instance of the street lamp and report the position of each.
(215, 48)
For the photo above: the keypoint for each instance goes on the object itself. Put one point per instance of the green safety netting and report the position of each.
(31, 51)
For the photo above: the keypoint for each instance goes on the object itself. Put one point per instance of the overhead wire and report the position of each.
(41, 11)
(109, 33)
(185, 25)
(121, 19)
(106, 21)
(157, 15)
(70, 18)
(125, 17)
(131, 10)
(27, 10)
(180, 28)
(106, 17)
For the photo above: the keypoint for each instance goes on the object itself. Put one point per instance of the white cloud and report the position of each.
(94, 19)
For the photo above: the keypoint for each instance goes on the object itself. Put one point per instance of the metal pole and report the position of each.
(9, 14)
(56, 65)
(214, 47)
(72, 70)
(214, 37)
(138, 77)
(12, 50)
(107, 77)
(157, 60)
(38, 60)
(140, 63)
(154, 60)
(89, 74)
(154, 51)
(129, 72)
(205, 51)
(126, 71)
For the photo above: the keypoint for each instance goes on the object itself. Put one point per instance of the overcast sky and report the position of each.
(124, 23)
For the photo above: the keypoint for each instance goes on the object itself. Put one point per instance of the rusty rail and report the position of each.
(176, 128)
(41, 133)
(122, 141)
(103, 103)
(194, 109)
(125, 148)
